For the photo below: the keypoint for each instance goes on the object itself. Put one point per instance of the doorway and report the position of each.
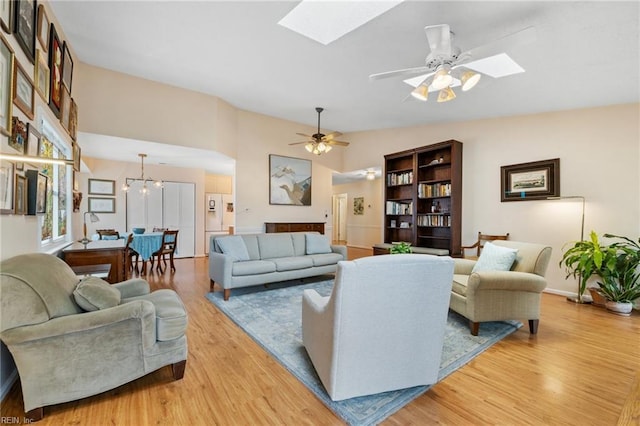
(339, 203)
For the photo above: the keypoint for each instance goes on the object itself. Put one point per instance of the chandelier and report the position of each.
(443, 80)
(145, 180)
(317, 147)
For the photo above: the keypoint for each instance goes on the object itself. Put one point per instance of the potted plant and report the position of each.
(620, 274)
(617, 264)
(399, 248)
(582, 261)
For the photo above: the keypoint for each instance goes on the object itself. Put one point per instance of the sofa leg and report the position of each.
(533, 326)
(475, 327)
(178, 369)
(35, 414)
(227, 293)
(211, 284)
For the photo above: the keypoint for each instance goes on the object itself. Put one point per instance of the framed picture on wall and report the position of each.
(6, 80)
(25, 30)
(102, 205)
(7, 175)
(55, 71)
(76, 156)
(67, 66)
(6, 16)
(42, 76)
(23, 92)
(537, 180)
(43, 28)
(33, 140)
(20, 194)
(289, 181)
(102, 187)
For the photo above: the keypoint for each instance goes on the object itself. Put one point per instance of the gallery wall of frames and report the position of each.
(36, 74)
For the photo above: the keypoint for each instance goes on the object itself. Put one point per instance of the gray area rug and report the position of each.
(272, 317)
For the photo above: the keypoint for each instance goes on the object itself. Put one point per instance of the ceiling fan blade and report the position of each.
(300, 143)
(305, 135)
(523, 37)
(331, 135)
(406, 71)
(439, 38)
(495, 66)
(335, 142)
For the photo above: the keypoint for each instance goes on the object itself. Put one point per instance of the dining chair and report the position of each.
(108, 234)
(482, 238)
(131, 254)
(168, 247)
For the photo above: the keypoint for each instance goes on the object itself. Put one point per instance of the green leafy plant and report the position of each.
(621, 271)
(616, 264)
(399, 248)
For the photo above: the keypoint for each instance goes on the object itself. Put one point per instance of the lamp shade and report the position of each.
(442, 79)
(421, 93)
(446, 95)
(469, 80)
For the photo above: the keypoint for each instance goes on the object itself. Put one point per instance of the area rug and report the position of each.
(272, 317)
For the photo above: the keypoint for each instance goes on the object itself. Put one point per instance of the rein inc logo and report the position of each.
(15, 420)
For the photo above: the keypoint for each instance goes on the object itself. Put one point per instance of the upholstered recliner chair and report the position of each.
(494, 295)
(382, 328)
(73, 338)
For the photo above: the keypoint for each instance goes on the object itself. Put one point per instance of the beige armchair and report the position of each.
(64, 352)
(502, 295)
(382, 328)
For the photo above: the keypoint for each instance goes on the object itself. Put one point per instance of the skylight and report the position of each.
(327, 20)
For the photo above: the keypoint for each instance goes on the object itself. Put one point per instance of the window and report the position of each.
(55, 221)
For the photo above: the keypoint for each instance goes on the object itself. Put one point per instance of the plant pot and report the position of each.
(597, 297)
(619, 308)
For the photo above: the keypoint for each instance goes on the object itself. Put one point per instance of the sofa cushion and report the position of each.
(93, 294)
(317, 244)
(234, 246)
(460, 284)
(253, 267)
(171, 315)
(326, 259)
(292, 263)
(275, 245)
(495, 258)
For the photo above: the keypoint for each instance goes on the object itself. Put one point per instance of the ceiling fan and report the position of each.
(319, 143)
(447, 66)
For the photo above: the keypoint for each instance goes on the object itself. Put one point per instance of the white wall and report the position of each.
(599, 151)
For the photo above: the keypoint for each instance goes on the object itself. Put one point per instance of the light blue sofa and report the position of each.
(254, 259)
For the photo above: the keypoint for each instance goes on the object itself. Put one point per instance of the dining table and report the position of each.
(145, 245)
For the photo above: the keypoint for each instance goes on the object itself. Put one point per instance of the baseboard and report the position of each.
(6, 386)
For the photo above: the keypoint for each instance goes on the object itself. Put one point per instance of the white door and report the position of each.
(143, 211)
(179, 213)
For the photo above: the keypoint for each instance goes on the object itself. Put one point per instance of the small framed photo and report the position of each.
(20, 194)
(65, 109)
(55, 71)
(23, 90)
(25, 23)
(42, 76)
(18, 139)
(102, 205)
(77, 199)
(67, 66)
(33, 140)
(102, 187)
(6, 80)
(43, 28)
(76, 156)
(41, 193)
(537, 180)
(6, 16)
(73, 120)
(7, 176)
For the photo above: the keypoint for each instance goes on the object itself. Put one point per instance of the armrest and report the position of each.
(463, 266)
(506, 280)
(340, 250)
(220, 268)
(133, 287)
(138, 309)
(314, 301)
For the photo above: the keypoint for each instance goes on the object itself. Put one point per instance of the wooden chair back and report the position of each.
(155, 229)
(108, 232)
(169, 241)
(482, 239)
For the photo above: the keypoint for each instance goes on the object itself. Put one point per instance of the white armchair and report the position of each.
(382, 327)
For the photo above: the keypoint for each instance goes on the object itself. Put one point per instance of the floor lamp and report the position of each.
(578, 298)
(94, 218)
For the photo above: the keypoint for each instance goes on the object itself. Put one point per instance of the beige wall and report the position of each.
(364, 230)
(599, 151)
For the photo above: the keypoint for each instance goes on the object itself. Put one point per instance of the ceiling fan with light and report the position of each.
(319, 143)
(447, 66)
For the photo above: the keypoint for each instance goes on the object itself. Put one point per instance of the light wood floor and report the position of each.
(581, 368)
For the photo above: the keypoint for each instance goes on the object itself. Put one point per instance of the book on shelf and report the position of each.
(394, 207)
(399, 178)
(426, 190)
